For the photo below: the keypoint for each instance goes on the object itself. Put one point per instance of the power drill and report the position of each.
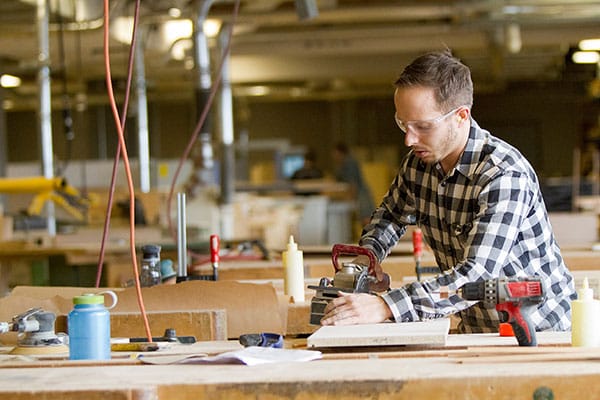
(513, 299)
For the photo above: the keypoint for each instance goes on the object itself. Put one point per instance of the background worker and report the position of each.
(477, 201)
(309, 169)
(348, 171)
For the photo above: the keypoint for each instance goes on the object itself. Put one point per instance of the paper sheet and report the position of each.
(253, 355)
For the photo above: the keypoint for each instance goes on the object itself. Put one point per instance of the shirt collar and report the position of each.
(476, 145)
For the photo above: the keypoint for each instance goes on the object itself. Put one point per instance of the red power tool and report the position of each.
(513, 299)
(350, 278)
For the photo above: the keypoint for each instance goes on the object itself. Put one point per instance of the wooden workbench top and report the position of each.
(393, 378)
(437, 374)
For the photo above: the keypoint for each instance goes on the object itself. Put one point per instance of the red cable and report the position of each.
(117, 157)
(123, 146)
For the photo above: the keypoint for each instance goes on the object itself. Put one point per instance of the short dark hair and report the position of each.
(342, 147)
(443, 72)
(310, 155)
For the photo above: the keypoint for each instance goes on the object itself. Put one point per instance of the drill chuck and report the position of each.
(485, 291)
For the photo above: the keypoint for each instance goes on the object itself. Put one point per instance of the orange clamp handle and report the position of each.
(214, 248)
(417, 239)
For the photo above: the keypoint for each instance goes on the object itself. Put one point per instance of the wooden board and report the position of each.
(434, 332)
(202, 324)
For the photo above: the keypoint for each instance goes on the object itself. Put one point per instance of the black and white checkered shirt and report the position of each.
(485, 219)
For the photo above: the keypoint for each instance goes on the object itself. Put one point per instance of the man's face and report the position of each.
(430, 131)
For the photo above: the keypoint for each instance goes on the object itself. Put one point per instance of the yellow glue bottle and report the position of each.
(585, 318)
(293, 267)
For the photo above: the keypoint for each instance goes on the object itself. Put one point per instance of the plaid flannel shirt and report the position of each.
(485, 219)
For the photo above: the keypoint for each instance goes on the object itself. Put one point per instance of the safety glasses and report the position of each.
(423, 127)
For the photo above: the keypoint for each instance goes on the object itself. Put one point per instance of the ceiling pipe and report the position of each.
(142, 116)
(45, 112)
(306, 9)
(227, 139)
(203, 159)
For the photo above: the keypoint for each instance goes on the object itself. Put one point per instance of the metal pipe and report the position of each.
(45, 120)
(3, 146)
(142, 117)
(203, 88)
(576, 179)
(181, 237)
(595, 171)
(227, 145)
(226, 123)
(202, 59)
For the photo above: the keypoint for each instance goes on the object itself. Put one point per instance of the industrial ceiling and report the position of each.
(352, 48)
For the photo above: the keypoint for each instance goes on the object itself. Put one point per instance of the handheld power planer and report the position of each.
(348, 278)
(513, 299)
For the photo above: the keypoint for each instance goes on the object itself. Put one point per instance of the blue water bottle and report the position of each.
(89, 327)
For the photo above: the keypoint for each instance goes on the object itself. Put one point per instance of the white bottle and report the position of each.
(585, 318)
(293, 272)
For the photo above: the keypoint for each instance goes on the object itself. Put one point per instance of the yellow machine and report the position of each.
(48, 189)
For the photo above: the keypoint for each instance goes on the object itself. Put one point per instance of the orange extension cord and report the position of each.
(123, 148)
(117, 157)
(120, 126)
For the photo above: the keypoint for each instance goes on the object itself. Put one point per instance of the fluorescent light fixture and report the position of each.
(589, 44)
(122, 28)
(211, 27)
(189, 64)
(10, 81)
(180, 47)
(512, 34)
(586, 57)
(174, 12)
(8, 104)
(258, 90)
(177, 29)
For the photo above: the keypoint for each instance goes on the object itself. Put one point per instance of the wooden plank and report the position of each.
(202, 324)
(479, 340)
(542, 355)
(298, 318)
(434, 332)
(250, 308)
(400, 379)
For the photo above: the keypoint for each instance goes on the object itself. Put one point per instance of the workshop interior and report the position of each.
(151, 211)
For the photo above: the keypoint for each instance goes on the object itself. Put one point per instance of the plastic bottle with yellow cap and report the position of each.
(585, 318)
(293, 267)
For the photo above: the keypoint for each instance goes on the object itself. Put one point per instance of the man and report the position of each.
(309, 169)
(477, 201)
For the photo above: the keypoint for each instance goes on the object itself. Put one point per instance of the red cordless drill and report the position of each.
(513, 299)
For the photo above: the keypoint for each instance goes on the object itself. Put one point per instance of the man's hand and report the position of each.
(356, 308)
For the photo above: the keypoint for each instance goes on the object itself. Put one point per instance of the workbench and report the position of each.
(479, 370)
